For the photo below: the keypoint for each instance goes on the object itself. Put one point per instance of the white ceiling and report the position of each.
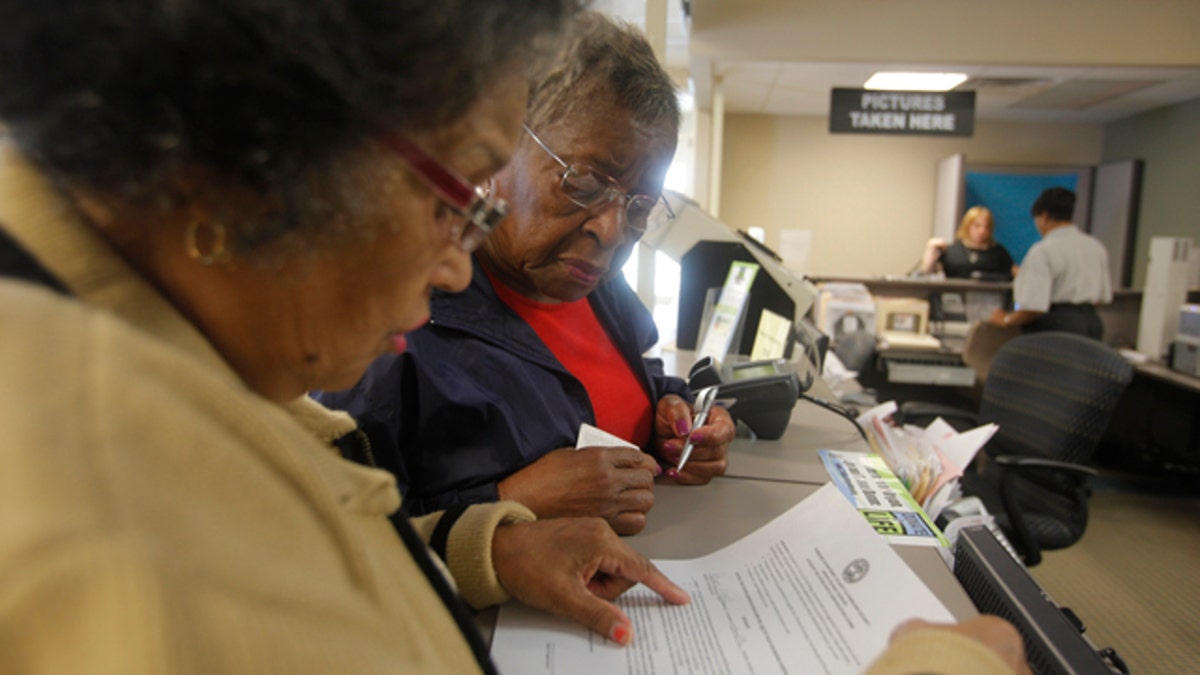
(1018, 93)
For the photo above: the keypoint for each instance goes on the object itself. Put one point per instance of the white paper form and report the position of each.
(813, 591)
(594, 436)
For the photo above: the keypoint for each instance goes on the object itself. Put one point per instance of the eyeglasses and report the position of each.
(588, 188)
(476, 210)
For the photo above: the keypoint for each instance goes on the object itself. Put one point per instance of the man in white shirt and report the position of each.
(1063, 277)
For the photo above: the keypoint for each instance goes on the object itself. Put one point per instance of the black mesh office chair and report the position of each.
(1052, 395)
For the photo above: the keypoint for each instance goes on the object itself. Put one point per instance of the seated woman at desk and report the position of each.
(974, 254)
(488, 400)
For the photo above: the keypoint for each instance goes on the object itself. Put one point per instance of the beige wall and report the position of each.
(868, 200)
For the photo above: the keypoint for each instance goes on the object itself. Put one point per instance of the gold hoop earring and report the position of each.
(212, 233)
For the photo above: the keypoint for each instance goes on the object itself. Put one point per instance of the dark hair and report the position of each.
(601, 53)
(1056, 202)
(117, 94)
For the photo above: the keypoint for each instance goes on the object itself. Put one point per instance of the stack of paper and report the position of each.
(927, 461)
(901, 340)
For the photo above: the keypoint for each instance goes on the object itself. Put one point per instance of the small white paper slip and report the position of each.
(593, 436)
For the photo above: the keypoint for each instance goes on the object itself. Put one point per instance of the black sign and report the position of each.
(924, 113)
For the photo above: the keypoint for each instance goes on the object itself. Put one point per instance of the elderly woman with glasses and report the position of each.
(489, 399)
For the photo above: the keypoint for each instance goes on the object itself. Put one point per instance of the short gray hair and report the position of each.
(599, 53)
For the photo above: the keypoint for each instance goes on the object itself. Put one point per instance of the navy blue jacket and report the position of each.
(478, 395)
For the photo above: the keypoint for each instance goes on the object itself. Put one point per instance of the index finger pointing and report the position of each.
(659, 583)
(633, 566)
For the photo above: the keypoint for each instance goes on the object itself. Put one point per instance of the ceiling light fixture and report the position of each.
(915, 81)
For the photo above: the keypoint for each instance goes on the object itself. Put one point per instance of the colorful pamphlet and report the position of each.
(867, 481)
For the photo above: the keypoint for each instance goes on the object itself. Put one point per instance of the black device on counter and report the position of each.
(999, 584)
(762, 393)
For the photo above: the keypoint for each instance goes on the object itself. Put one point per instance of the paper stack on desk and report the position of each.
(927, 461)
(813, 591)
(911, 341)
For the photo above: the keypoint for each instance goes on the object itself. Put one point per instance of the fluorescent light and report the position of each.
(915, 81)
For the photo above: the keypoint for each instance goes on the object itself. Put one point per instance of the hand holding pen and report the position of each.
(676, 424)
(703, 403)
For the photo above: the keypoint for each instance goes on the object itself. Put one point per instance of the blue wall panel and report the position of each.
(1009, 197)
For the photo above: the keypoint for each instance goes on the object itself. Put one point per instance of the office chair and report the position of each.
(1052, 395)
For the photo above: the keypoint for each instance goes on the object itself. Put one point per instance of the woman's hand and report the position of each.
(573, 568)
(934, 249)
(611, 483)
(710, 442)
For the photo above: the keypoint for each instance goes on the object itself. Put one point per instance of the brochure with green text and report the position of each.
(866, 480)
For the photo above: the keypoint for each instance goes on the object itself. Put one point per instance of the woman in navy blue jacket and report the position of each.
(488, 399)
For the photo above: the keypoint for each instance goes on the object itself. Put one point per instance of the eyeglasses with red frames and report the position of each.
(479, 211)
(589, 188)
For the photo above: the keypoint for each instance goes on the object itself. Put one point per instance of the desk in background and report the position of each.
(1156, 426)
(1158, 371)
(939, 376)
(1120, 318)
(942, 377)
(976, 294)
(897, 372)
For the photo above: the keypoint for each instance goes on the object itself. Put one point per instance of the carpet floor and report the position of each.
(1134, 578)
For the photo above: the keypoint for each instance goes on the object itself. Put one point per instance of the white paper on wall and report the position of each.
(795, 246)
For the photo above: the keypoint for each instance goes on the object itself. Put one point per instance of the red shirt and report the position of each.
(575, 337)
